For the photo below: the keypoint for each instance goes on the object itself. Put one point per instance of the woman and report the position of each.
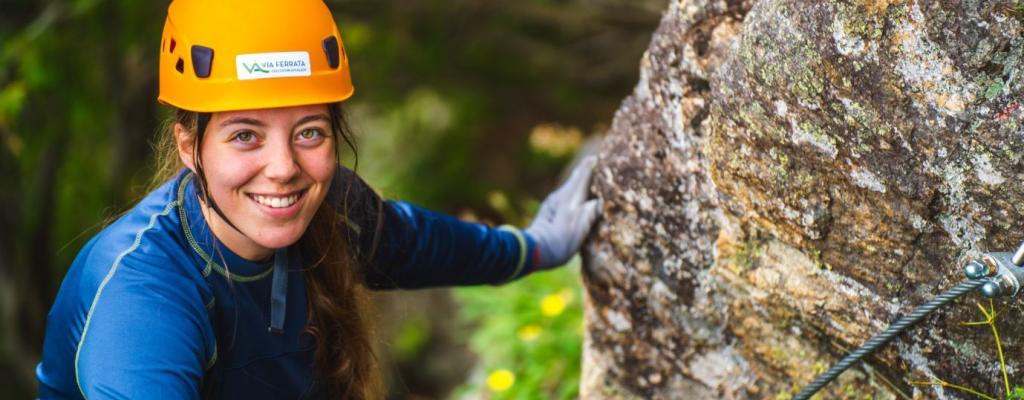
(244, 275)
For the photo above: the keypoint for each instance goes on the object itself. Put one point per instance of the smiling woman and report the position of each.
(244, 272)
(269, 170)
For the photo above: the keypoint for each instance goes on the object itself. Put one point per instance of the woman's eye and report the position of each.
(310, 134)
(245, 137)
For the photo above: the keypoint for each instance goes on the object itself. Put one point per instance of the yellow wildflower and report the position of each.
(529, 332)
(500, 380)
(552, 305)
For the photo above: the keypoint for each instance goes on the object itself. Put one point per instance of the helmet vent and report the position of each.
(330, 44)
(180, 66)
(173, 45)
(202, 60)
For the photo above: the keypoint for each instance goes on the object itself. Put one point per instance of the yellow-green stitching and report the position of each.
(210, 263)
(522, 248)
(209, 306)
(184, 224)
(106, 279)
(213, 360)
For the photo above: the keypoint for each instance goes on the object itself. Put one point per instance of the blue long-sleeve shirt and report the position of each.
(154, 307)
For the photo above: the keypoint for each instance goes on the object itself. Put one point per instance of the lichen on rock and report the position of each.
(788, 177)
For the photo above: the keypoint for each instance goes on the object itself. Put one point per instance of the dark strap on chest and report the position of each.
(279, 291)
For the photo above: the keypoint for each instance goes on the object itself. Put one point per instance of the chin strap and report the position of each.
(202, 120)
(279, 291)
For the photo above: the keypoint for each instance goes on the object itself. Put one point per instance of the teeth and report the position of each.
(276, 202)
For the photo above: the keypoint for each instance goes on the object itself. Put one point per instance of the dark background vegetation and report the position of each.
(470, 107)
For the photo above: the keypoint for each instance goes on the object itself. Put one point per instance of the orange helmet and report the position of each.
(223, 55)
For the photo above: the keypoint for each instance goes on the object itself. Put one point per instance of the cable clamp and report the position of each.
(1003, 277)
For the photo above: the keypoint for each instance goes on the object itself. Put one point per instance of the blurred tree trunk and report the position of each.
(76, 117)
(14, 357)
(790, 176)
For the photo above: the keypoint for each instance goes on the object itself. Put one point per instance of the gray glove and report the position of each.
(565, 218)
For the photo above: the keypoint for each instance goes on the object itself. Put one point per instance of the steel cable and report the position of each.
(872, 344)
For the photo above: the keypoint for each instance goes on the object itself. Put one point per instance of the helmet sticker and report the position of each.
(272, 65)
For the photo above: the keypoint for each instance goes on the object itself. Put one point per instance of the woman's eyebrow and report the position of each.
(311, 118)
(243, 120)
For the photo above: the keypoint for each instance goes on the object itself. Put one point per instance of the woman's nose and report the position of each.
(281, 162)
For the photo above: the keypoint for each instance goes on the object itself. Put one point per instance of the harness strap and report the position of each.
(279, 291)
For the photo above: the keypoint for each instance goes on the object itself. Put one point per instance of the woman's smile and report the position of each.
(279, 205)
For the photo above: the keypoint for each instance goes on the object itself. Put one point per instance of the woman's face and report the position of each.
(268, 170)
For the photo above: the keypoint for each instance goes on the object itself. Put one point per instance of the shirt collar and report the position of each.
(217, 256)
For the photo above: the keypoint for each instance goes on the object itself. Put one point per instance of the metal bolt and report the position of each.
(1001, 285)
(991, 263)
(991, 289)
(1018, 257)
(975, 270)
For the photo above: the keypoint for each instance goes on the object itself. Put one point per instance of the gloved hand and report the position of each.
(565, 218)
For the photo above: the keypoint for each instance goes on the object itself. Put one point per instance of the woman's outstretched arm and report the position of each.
(406, 246)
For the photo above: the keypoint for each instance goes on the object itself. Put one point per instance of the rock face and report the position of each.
(789, 177)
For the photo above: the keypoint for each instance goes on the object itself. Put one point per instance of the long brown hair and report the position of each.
(338, 302)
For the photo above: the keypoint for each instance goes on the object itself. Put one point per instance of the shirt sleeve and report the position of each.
(143, 337)
(403, 246)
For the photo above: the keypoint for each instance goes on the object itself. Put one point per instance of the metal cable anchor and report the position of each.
(1001, 271)
(998, 274)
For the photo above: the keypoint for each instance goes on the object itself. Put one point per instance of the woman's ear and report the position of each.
(186, 143)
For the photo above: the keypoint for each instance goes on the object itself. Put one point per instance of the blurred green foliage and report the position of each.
(447, 91)
(533, 329)
(455, 100)
(527, 335)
